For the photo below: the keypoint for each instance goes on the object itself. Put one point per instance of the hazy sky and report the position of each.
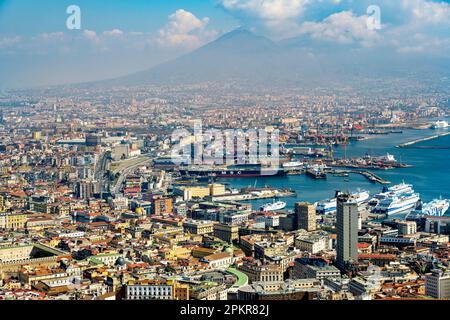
(118, 37)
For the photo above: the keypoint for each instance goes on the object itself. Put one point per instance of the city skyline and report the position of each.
(237, 152)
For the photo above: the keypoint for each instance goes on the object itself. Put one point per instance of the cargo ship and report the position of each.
(238, 171)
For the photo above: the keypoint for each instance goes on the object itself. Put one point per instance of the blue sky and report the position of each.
(122, 36)
(128, 15)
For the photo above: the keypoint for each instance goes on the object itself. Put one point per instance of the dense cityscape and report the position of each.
(224, 158)
(95, 207)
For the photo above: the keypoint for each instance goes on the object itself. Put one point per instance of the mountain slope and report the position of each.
(238, 54)
(246, 58)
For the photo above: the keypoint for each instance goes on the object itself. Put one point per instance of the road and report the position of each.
(100, 172)
(124, 172)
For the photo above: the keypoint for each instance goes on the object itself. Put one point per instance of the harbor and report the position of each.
(424, 169)
(413, 142)
(369, 175)
(253, 193)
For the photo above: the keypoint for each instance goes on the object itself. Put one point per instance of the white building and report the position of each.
(437, 284)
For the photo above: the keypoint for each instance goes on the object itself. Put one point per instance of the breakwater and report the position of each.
(413, 142)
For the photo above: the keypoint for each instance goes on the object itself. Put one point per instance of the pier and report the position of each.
(411, 143)
(369, 175)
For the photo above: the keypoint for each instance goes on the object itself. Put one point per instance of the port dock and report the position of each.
(247, 194)
(411, 143)
(369, 175)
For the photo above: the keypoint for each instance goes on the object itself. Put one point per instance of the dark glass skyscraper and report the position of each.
(347, 230)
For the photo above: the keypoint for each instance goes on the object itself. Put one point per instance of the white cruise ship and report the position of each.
(401, 188)
(440, 124)
(397, 203)
(396, 190)
(273, 206)
(330, 206)
(436, 208)
(325, 207)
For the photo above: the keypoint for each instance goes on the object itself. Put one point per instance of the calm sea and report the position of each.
(430, 173)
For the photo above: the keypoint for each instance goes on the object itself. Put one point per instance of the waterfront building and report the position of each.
(407, 227)
(440, 225)
(305, 214)
(347, 231)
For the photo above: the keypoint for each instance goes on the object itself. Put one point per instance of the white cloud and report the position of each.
(52, 36)
(185, 30)
(422, 43)
(428, 12)
(268, 9)
(89, 34)
(9, 41)
(113, 33)
(342, 27)
(280, 17)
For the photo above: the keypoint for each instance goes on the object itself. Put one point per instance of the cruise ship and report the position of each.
(436, 208)
(400, 189)
(330, 206)
(396, 190)
(397, 203)
(440, 124)
(273, 206)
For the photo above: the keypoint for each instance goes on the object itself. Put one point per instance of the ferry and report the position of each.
(436, 208)
(330, 206)
(397, 203)
(316, 172)
(325, 207)
(395, 190)
(401, 188)
(440, 124)
(275, 206)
